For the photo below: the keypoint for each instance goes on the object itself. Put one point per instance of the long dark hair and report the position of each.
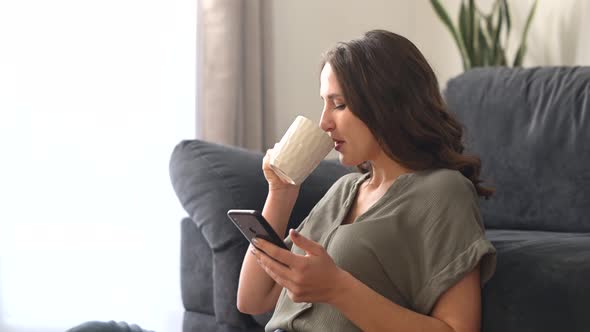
(388, 84)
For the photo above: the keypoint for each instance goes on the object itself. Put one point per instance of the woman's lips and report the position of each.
(338, 145)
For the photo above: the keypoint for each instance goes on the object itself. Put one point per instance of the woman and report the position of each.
(399, 246)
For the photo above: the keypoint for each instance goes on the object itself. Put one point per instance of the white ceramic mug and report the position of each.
(300, 151)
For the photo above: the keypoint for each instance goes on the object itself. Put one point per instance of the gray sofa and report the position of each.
(531, 128)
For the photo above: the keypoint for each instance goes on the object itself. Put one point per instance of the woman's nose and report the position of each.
(326, 122)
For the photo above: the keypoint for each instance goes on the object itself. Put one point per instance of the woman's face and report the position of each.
(352, 138)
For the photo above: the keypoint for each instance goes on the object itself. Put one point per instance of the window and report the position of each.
(93, 97)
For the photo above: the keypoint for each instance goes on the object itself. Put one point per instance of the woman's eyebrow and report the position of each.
(332, 96)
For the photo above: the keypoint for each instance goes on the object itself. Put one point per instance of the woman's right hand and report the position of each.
(275, 183)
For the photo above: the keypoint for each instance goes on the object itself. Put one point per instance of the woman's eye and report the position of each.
(340, 107)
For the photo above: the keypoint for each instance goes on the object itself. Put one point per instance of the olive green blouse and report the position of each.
(419, 239)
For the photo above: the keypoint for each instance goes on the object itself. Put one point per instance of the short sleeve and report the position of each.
(454, 241)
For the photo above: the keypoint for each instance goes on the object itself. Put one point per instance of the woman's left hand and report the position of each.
(313, 277)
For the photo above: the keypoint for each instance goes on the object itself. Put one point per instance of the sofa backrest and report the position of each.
(531, 128)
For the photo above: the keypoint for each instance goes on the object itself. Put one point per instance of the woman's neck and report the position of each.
(384, 171)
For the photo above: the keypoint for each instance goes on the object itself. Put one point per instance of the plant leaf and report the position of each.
(519, 56)
(496, 37)
(483, 49)
(507, 13)
(465, 30)
(486, 44)
(522, 49)
(489, 32)
(473, 25)
(502, 54)
(444, 16)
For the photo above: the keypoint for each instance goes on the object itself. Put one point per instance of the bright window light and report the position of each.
(94, 95)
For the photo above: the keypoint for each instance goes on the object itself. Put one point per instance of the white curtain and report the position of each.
(230, 108)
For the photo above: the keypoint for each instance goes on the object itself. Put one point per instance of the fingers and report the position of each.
(309, 246)
(278, 272)
(266, 159)
(279, 254)
(269, 152)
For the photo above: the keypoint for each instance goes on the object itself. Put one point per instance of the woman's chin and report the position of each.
(347, 161)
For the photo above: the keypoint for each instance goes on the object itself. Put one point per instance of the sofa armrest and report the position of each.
(196, 280)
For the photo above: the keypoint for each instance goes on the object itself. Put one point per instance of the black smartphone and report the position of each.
(252, 224)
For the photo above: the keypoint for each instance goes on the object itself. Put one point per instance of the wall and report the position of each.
(297, 32)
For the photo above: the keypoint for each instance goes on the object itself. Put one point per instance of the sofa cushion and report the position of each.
(531, 128)
(540, 284)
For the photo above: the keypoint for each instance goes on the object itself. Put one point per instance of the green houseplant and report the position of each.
(482, 38)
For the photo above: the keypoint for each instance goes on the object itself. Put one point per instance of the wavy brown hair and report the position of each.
(388, 84)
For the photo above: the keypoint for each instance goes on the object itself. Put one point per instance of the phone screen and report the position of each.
(252, 224)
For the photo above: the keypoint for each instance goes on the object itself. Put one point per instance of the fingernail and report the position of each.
(255, 241)
(294, 232)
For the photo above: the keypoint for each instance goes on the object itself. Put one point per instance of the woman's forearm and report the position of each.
(371, 311)
(257, 292)
(277, 209)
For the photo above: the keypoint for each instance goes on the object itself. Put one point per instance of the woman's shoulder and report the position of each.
(443, 182)
(441, 195)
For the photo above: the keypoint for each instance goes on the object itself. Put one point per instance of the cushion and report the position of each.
(531, 128)
(540, 284)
